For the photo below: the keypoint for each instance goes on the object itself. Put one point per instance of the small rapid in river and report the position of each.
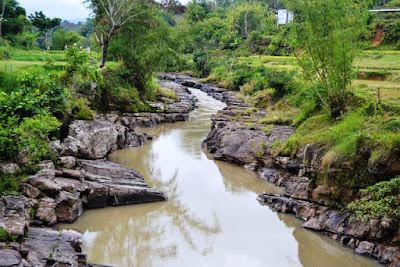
(212, 217)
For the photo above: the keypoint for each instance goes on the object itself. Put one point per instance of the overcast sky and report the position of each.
(72, 10)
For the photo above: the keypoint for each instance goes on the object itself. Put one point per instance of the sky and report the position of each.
(71, 10)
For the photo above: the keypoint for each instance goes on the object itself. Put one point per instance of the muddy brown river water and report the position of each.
(212, 217)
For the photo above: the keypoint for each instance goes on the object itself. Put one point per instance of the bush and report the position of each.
(28, 103)
(381, 200)
(78, 108)
(32, 93)
(29, 136)
(4, 54)
(8, 184)
(6, 237)
(393, 126)
(117, 92)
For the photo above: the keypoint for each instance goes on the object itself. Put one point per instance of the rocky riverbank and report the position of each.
(81, 179)
(235, 139)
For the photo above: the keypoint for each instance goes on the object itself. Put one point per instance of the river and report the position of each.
(212, 217)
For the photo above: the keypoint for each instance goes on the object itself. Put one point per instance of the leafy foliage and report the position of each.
(381, 200)
(29, 137)
(144, 48)
(325, 37)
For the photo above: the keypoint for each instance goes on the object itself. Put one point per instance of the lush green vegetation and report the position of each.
(333, 73)
(311, 74)
(381, 200)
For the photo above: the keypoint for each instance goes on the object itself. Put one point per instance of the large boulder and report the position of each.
(68, 161)
(134, 140)
(97, 195)
(9, 168)
(49, 247)
(244, 145)
(44, 181)
(46, 212)
(14, 215)
(96, 138)
(69, 206)
(30, 191)
(113, 184)
(109, 169)
(365, 248)
(71, 185)
(10, 258)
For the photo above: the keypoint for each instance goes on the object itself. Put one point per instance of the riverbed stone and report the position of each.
(109, 169)
(68, 206)
(365, 248)
(96, 196)
(68, 162)
(77, 174)
(122, 135)
(96, 138)
(9, 168)
(55, 146)
(134, 140)
(46, 211)
(113, 184)
(44, 181)
(10, 258)
(70, 185)
(46, 165)
(298, 187)
(49, 247)
(14, 215)
(70, 147)
(30, 191)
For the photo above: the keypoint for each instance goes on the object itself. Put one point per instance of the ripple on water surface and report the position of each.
(212, 217)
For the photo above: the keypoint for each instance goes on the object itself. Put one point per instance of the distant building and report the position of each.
(284, 16)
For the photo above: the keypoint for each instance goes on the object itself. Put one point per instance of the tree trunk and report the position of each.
(287, 16)
(46, 40)
(245, 25)
(104, 48)
(1, 18)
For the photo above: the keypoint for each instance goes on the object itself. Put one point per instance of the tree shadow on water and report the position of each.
(147, 234)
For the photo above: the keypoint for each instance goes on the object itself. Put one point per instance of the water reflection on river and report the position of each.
(212, 217)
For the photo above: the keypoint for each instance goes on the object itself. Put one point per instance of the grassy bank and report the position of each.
(360, 143)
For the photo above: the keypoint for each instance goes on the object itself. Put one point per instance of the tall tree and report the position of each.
(326, 39)
(44, 24)
(145, 46)
(2, 16)
(247, 16)
(12, 18)
(111, 15)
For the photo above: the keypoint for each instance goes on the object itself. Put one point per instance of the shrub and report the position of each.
(393, 126)
(8, 184)
(117, 92)
(6, 237)
(381, 200)
(78, 108)
(30, 136)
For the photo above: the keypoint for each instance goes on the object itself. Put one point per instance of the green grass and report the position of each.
(370, 61)
(378, 60)
(11, 65)
(34, 55)
(344, 138)
(278, 62)
(389, 92)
